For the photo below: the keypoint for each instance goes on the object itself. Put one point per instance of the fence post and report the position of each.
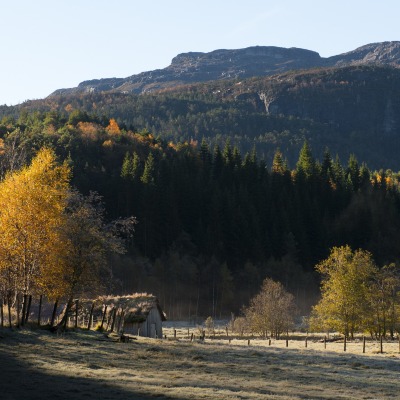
(324, 342)
(306, 342)
(174, 333)
(381, 344)
(248, 342)
(287, 342)
(345, 343)
(269, 342)
(363, 344)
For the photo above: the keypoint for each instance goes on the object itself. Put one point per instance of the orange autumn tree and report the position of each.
(113, 128)
(32, 203)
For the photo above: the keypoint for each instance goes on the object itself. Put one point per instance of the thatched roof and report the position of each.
(136, 307)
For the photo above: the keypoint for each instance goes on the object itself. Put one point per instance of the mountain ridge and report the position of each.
(224, 64)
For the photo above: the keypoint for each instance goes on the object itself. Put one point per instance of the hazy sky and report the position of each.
(48, 45)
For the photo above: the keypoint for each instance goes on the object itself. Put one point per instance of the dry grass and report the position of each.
(83, 365)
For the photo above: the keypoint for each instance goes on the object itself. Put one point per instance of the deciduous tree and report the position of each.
(346, 275)
(32, 203)
(271, 310)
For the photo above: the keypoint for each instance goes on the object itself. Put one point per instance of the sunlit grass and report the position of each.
(86, 363)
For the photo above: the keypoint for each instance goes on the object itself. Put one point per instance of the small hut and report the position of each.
(144, 317)
(140, 314)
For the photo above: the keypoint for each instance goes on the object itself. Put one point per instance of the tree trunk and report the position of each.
(28, 309)
(2, 313)
(18, 312)
(9, 310)
(64, 321)
(103, 318)
(120, 321)
(90, 317)
(110, 317)
(114, 317)
(40, 309)
(24, 305)
(76, 313)
(53, 315)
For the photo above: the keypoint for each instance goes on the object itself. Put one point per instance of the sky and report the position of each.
(53, 44)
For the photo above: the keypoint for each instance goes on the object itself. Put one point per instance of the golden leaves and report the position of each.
(32, 203)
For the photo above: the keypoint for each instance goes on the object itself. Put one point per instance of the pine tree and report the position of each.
(126, 166)
(149, 170)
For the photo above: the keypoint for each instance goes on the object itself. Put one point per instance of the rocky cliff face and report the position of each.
(243, 63)
(385, 53)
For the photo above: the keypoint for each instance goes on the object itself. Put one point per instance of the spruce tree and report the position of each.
(148, 173)
(306, 163)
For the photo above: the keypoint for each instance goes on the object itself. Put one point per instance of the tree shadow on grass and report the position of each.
(20, 381)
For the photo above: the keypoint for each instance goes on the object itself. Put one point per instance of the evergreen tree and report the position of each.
(227, 153)
(126, 166)
(327, 165)
(306, 164)
(278, 164)
(149, 171)
(218, 162)
(353, 172)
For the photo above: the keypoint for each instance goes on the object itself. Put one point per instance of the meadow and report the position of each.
(36, 364)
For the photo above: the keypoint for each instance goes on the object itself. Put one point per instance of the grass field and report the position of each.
(87, 365)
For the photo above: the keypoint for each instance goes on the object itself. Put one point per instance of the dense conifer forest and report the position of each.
(214, 222)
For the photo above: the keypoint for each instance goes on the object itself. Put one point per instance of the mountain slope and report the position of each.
(242, 63)
(353, 109)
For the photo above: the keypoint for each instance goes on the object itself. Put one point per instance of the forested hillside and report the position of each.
(213, 222)
(351, 110)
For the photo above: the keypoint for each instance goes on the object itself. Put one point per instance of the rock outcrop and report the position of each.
(243, 63)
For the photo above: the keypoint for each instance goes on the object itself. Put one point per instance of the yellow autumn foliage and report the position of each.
(32, 203)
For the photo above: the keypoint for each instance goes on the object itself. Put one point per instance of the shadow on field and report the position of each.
(19, 381)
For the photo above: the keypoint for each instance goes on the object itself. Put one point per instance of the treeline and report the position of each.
(213, 222)
(350, 110)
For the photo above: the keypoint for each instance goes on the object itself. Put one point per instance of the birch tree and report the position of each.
(346, 278)
(271, 310)
(32, 203)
